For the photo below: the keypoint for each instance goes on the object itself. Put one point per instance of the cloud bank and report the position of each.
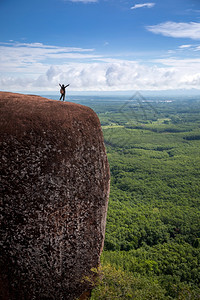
(177, 30)
(37, 67)
(148, 5)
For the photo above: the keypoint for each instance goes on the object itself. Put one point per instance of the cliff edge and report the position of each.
(55, 187)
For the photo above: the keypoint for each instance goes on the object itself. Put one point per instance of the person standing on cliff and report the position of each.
(62, 91)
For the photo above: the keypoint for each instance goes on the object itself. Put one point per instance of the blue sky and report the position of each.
(99, 45)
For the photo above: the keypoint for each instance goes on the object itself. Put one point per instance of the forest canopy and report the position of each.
(152, 244)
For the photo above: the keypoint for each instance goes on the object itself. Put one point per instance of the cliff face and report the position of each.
(55, 178)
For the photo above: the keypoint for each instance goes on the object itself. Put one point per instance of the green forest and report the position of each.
(152, 243)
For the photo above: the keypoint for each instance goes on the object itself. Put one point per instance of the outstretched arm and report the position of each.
(59, 84)
(67, 85)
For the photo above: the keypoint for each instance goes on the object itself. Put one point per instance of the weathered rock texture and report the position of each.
(55, 185)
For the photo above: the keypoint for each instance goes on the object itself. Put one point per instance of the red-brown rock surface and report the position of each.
(55, 185)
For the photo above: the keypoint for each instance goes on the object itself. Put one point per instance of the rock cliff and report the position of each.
(55, 186)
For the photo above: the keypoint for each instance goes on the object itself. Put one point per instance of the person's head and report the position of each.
(63, 85)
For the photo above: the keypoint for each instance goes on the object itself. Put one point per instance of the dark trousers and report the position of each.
(62, 96)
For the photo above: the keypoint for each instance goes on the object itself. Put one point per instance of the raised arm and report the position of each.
(60, 85)
(67, 85)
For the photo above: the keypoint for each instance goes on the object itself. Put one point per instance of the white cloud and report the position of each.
(42, 46)
(37, 67)
(177, 30)
(185, 46)
(148, 5)
(34, 58)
